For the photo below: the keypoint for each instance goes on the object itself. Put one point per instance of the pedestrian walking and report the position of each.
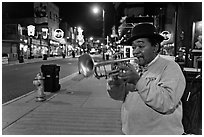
(44, 53)
(152, 93)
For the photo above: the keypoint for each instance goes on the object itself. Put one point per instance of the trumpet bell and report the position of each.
(86, 65)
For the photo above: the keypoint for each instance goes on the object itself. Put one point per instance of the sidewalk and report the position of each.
(81, 107)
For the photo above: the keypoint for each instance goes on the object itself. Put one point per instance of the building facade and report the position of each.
(16, 41)
(177, 19)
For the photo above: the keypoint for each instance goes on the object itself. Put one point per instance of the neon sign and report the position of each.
(58, 34)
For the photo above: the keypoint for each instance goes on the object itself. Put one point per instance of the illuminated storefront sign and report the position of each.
(80, 36)
(44, 33)
(54, 42)
(38, 42)
(58, 34)
(166, 35)
(31, 30)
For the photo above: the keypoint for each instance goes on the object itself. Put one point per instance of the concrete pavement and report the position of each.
(81, 107)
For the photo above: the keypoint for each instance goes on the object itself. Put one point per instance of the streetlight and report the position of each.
(91, 38)
(96, 11)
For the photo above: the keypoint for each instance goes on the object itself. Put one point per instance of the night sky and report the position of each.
(80, 14)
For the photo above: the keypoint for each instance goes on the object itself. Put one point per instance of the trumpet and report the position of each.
(88, 67)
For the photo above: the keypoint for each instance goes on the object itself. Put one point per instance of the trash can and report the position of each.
(21, 60)
(51, 74)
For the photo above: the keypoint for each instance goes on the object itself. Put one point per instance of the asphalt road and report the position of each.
(17, 80)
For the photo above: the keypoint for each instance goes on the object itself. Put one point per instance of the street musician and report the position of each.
(152, 94)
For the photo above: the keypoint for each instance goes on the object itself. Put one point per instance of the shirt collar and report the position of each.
(154, 60)
(144, 68)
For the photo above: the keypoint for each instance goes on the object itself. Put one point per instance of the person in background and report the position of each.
(73, 53)
(198, 44)
(151, 93)
(44, 53)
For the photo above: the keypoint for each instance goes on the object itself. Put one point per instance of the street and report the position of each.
(81, 107)
(17, 80)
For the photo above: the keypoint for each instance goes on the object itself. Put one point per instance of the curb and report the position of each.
(18, 98)
(30, 61)
(61, 81)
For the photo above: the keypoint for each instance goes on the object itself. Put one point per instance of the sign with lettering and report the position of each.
(166, 35)
(58, 34)
(31, 30)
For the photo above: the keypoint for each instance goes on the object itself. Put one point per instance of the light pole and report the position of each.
(103, 33)
(103, 26)
(96, 10)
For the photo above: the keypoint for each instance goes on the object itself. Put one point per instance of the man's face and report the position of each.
(144, 51)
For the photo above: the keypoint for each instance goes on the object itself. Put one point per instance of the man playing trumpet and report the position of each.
(151, 95)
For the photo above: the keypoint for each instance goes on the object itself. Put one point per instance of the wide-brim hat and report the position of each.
(145, 30)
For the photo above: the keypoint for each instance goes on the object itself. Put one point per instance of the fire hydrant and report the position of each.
(39, 83)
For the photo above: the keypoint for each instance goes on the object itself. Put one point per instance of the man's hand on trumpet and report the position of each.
(122, 82)
(128, 74)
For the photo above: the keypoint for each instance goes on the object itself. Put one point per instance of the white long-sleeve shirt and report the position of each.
(155, 106)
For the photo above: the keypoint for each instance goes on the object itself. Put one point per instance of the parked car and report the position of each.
(5, 58)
